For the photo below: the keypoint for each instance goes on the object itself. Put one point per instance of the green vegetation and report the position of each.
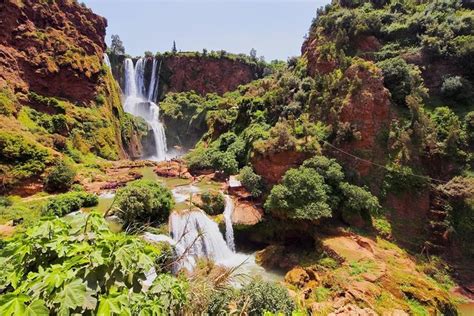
(264, 296)
(143, 201)
(213, 203)
(317, 190)
(66, 203)
(21, 158)
(81, 267)
(251, 181)
(60, 178)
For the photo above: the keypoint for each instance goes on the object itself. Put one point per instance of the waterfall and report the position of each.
(199, 236)
(229, 229)
(138, 104)
(151, 90)
(107, 61)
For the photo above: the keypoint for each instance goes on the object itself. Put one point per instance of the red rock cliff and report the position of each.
(51, 47)
(205, 75)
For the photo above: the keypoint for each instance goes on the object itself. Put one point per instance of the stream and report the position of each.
(194, 234)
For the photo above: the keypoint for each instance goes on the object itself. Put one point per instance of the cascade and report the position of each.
(151, 90)
(229, 229)
(107, 61)
(138, 104)
(199, 236)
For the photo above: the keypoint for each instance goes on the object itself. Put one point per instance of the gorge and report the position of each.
(337, 182)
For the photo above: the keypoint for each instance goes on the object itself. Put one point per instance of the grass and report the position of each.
(321, 294)
(417, 309)
(360, 267)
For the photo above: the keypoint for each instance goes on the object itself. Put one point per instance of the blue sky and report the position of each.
(274, 28)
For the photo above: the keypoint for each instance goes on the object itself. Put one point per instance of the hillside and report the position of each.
(58, 101)
(337, 183)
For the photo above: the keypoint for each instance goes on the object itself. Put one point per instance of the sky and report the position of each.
(276, 29)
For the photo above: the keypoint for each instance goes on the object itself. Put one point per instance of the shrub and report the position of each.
(397, 78)
(213, 203)
(143, 201)
(251, 181)
(266, 297)
(68, 203)
(27, 157)
(452, 87)
(60, 179)
(7, 105)
(302, 195)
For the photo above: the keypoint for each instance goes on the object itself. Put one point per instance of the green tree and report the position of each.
(60, 179)
(174, 50)
(116, 46)
(251, 181)
(301, 195)
(143, 201)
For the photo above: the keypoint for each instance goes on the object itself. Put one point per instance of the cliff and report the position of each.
(57, 99)
(182, 72)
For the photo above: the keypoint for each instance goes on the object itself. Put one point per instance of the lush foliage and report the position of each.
(251, 181)
(60, 178)
(213, 203)
(62, 267)
(143, 201)
(316, 190)
(66, 203)
(267, 297)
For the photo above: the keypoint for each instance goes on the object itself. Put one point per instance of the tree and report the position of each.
(253, 54)
(174, 50)
(117, 47)
(60, 178)
(143, 201)
(251, 181)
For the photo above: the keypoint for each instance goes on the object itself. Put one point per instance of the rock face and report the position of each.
(51, 48)
(367, 110)
(204, 75)
(273, 167)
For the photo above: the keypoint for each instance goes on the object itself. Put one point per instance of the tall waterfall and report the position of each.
(107, 61)
(152, 88)
(138, 103)
(199, 236)
(229, 229)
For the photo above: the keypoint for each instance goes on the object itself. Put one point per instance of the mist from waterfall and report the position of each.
(139, 103)
(198, 236)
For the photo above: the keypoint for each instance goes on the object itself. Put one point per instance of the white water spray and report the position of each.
(107, 61)
(229, 229)
(137, 103)
(198, 236)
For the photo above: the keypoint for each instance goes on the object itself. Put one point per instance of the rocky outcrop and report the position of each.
(203, 74)
(51, 48)
(272, 167)
(367, 111)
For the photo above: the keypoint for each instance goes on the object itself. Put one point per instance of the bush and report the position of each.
(68, 203)
(27, 157)
(397, 78)
(316, 189)
(143, 201)
(60, 179)
(266, 297)
(456, 88)
(213, 203)
(251, 181)
(301, 195)
(212, 158)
